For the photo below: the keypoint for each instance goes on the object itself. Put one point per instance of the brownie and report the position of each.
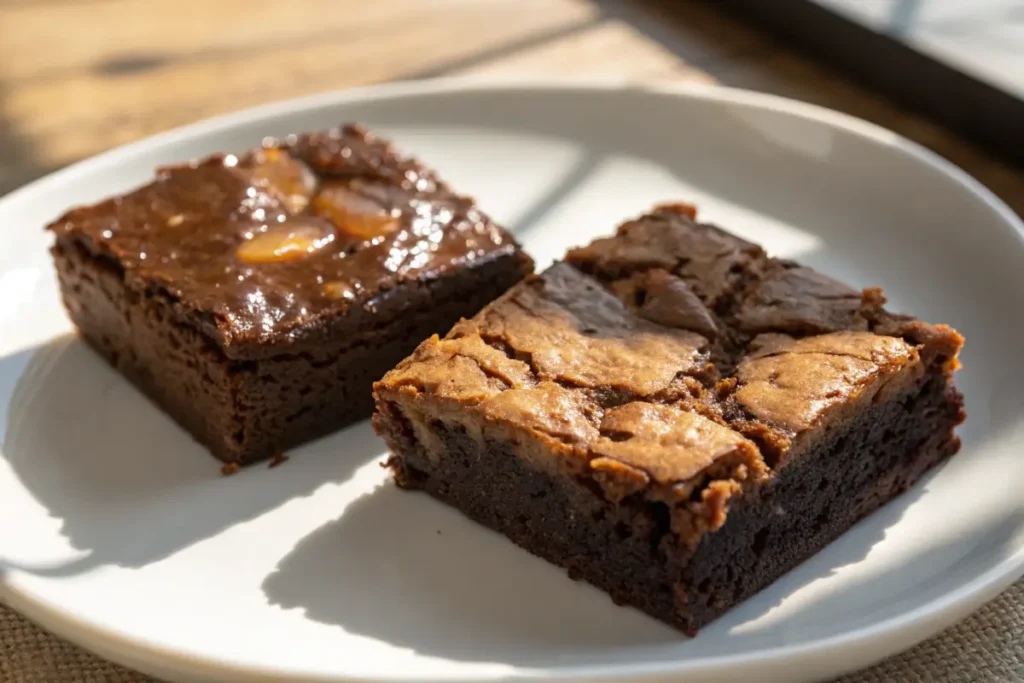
(674, 416)
(256, 298)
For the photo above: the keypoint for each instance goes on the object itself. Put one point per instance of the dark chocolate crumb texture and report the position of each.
(673, 415)
(257, 297)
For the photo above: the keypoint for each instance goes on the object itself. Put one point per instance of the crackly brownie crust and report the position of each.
(257, 298)
(674, 416)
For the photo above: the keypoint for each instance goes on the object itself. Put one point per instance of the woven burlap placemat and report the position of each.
(986, 648)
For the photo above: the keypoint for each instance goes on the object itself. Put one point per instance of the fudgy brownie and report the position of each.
(674, 416)
(257, 298)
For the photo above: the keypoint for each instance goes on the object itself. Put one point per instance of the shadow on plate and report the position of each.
(128, 484)
(404, 569)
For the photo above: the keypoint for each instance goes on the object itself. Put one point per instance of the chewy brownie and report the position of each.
(674, 416)
(257, 298)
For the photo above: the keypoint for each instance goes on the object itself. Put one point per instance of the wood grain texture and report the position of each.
(81, 76)
(126, 69)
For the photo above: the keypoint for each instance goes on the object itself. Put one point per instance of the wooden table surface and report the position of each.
(81, 76)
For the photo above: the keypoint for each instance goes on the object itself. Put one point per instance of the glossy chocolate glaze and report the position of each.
(263, 251)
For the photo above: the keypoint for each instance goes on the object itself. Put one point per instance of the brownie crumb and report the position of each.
(278, 459)
(230, 468)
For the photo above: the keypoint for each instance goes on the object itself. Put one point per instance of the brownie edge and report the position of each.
(629, 548)
(244, 411)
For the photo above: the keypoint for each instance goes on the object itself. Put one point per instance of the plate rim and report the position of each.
(926, 619)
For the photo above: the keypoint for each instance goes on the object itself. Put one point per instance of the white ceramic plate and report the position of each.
(119, 533)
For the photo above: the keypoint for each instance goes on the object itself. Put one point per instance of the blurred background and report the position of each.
(81, 76)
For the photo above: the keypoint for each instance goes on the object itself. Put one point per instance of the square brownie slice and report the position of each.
(674, 416)
(257, 298)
